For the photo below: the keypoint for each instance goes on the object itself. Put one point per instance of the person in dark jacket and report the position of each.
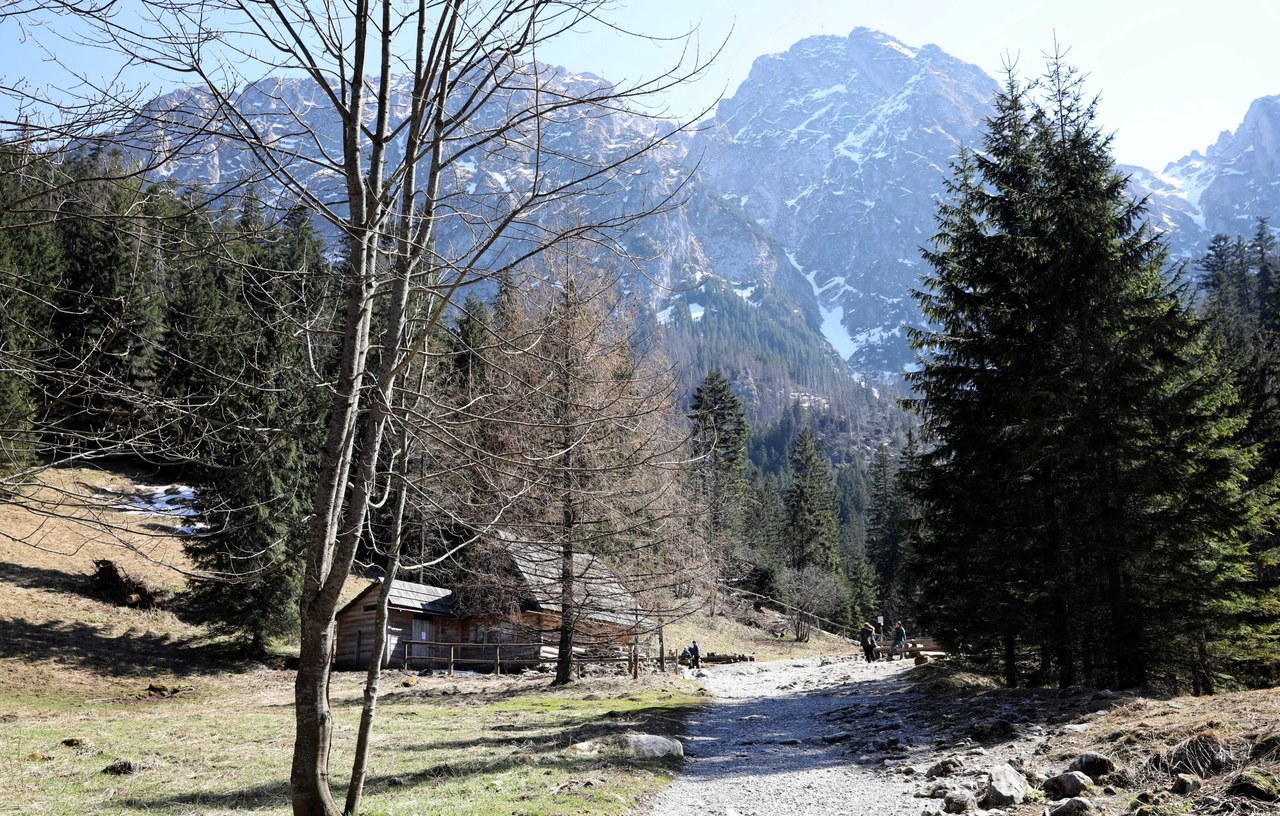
(899, 640)
(867, 637)
(695, 656)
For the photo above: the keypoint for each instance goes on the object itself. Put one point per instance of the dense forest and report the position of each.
(1097, 489)
(146, 326)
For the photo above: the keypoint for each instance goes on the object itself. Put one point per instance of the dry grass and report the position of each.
(58, 641)
(724, 635)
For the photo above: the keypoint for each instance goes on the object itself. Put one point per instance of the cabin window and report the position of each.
(369, 607)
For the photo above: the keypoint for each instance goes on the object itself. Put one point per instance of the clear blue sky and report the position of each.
(1171, 74)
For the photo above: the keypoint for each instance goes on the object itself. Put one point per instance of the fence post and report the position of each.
(451, 648)
(635, 662)
(497, 660)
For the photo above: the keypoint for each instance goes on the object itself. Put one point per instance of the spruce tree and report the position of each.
(241, 321)
(719, 447)
(1083, 494)
(812, 507)
(30, 265)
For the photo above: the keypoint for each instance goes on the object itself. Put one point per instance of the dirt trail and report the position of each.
(791, 738)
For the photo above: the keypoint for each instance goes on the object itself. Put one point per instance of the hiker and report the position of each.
(867, 637)
(899, 640)
(695, 656)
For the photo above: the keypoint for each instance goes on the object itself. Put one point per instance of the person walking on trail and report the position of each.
(695, 656)
(899, 640)
(867, 637)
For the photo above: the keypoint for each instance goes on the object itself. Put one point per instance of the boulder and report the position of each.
(1256, 784)
(1071, 807)
(1005, 786)
(652, 745)
(1067, 785)
(992, 731)
(959, 801)
(1093, 765)
(946, 767)
(646, 746)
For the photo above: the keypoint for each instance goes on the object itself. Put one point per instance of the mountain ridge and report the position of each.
(815, 182)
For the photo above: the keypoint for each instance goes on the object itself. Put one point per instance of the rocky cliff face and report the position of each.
(839, 147)
(1225, 189)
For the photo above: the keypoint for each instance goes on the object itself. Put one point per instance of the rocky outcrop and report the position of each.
(645, 746)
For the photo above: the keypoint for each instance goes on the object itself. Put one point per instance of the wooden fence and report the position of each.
(451, 655)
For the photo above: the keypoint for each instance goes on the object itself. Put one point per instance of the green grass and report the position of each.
(480, 746)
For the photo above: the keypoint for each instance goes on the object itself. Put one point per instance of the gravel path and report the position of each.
(788, 738)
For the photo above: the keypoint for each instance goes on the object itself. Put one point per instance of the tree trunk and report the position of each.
(564, 655)
(309, 777)
(1010, 642)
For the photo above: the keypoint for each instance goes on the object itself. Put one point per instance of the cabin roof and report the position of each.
(409, 597)
(597, 592)
(421, 598)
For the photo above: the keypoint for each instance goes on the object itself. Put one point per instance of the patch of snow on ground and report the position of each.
(176, 501)
(696, 310)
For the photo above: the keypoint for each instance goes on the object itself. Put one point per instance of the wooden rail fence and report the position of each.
(452, 655)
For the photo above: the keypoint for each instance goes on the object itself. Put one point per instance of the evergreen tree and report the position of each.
(764, 533)
(106, 329)
(242, 322)
(1235, 275)
(30, 265)
(719, 446)
(812, 508)
(864, 594)
(1083, 496)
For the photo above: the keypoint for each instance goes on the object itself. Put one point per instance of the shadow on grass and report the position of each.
(264, 795)
(131, 652)
(551, 737)
(38, 578)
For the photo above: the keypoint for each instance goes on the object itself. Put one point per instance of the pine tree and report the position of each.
(1083, 495)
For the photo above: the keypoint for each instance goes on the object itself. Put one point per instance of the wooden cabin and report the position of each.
(415, 612)
(518, 624)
